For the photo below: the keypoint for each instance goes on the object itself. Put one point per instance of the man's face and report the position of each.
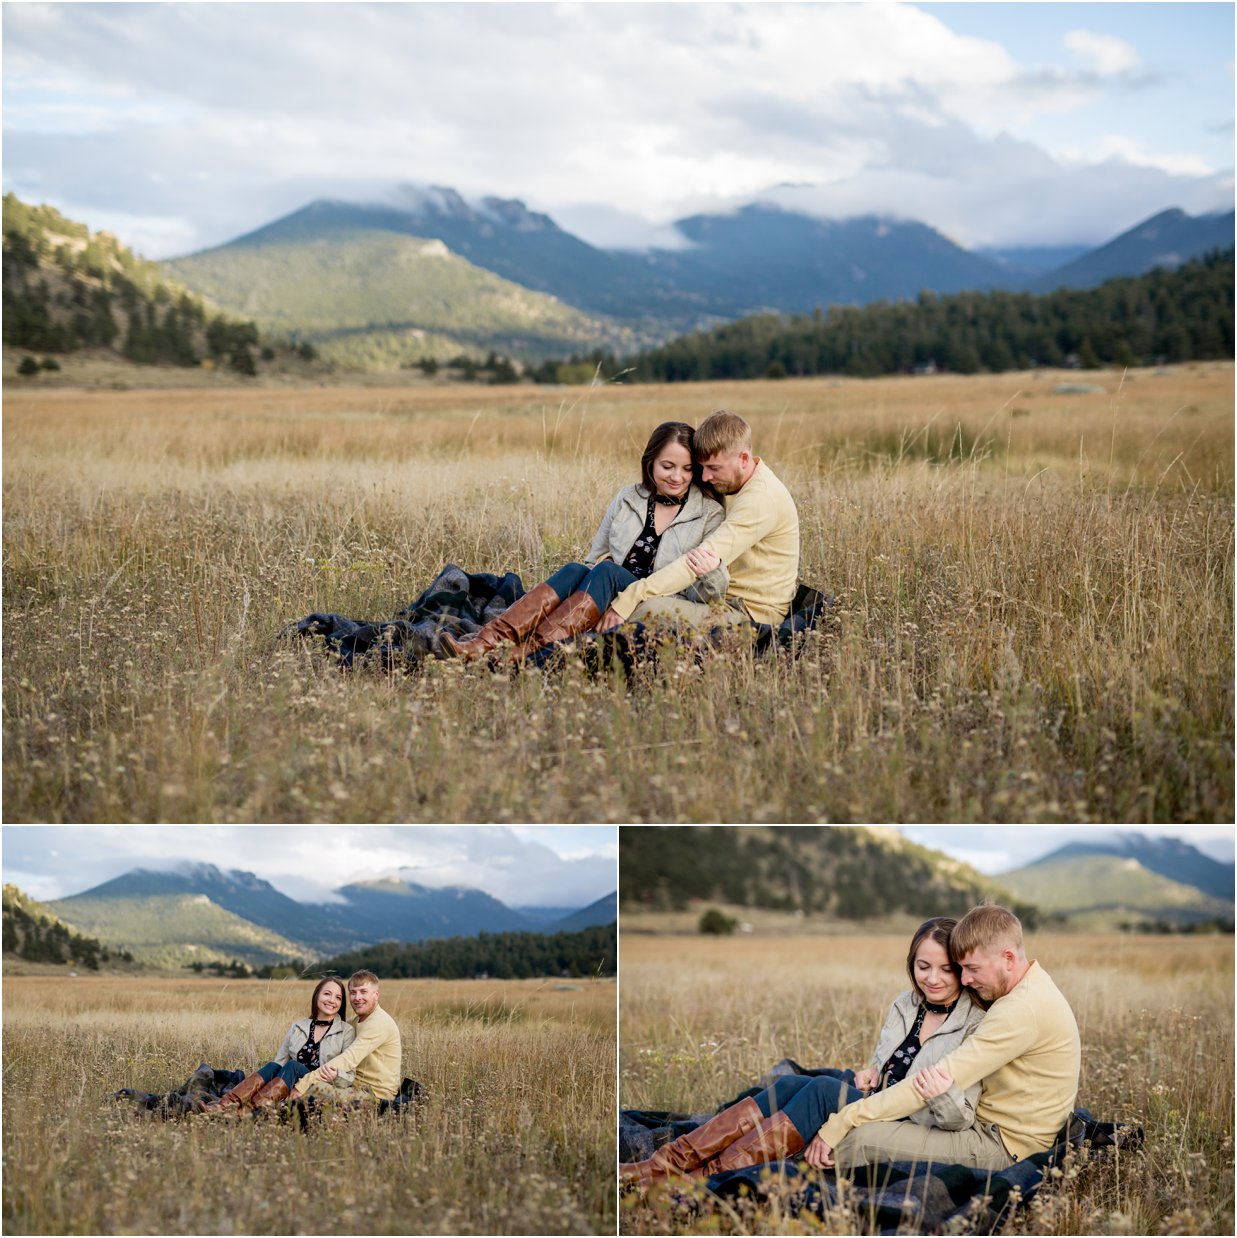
(726, 470)
(364, 998)
(988, 972)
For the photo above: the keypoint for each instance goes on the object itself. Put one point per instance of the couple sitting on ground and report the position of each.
(327, 1051)
(977, 1065)
(709, 537)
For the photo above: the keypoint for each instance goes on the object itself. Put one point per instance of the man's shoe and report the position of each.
(515, 624)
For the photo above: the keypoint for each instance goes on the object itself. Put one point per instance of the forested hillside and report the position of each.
(34, 934)
(66, 288)
(505, 956)
(1165, 316)
(849, 872)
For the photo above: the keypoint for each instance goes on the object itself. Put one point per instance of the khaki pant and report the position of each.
(697, 614)
(979, 1146)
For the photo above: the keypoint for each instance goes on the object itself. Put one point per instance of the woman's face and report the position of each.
(936, 978)
(330, 1000)
(672, 470)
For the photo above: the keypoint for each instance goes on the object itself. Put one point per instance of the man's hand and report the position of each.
(703, 559)
(932, 1081)
(611, 619)
(867, 1078)
(819, 1154)
(327, 1073)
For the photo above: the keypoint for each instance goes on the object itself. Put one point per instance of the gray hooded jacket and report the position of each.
(625, 517)
(953, 1110)
(338, 1037)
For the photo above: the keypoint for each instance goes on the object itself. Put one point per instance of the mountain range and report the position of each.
(199, 913)
(430, 270)
(1128, 878)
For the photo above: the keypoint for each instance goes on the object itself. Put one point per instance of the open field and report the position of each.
(517, 1136)
(1035, 605)
(701, 1019)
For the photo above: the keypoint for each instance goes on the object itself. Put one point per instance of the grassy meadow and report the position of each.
(702, 1019)
(517, 1136)
(1034, 621)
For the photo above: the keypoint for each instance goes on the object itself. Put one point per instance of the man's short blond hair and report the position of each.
(986, 927)
(359, 978)
(722, 433)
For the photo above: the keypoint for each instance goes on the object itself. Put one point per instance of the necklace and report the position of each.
(933, 1009)
(666, 501)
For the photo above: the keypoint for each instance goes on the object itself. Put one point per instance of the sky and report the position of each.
(522, 866)
(998, 849)
(181, 126)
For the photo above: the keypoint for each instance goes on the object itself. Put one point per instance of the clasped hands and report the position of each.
(930, 1082)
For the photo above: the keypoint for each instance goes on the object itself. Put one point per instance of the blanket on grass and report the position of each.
(896, 1197)
(461, 602)
(207, 1084)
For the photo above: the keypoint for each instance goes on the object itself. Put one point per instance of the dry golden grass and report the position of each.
(517, 1135)
(702, 1019)
(1035, 620)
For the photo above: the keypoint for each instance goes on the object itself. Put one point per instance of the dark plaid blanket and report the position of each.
(899, 1197)
(460, 602)
(207, 1084)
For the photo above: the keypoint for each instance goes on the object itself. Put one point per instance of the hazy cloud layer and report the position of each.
(180, 126)
(546, 866)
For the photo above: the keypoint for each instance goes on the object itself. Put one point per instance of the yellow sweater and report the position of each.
(376, 1054)
(759, 543)
(1027, 1054)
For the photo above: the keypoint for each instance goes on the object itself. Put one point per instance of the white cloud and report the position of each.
(1105, 53)
(308, 862)
(616, 117)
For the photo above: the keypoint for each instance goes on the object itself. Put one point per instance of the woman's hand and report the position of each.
(611, 619)
(703, 559)
(867, 1078)
(932, 1081)
(818, 1154)
(327, 1073)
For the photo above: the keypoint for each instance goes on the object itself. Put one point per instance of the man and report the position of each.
(375, 1054)
(1025, 1055)
(759, 542)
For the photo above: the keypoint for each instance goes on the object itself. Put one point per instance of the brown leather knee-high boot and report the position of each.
(236, 1098)
(698, 1147)
(272, 1093)
(775, 1139)
(579, 613)
(514, 624)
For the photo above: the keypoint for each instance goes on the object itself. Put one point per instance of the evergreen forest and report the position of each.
(32, 934)
(503, 956)
(1159, 318)
(66, 288)
(842, 871)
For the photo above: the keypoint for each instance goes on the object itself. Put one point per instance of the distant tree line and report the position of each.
(503, 956)
(835, 871)
(1157, 318)
(39, 938)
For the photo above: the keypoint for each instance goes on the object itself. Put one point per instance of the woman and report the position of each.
(925, 1024)
(646, 527)
(310, 1043)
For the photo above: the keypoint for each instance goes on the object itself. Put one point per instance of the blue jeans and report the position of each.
(289, 1072)
(807, 1101)
(602, 583)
